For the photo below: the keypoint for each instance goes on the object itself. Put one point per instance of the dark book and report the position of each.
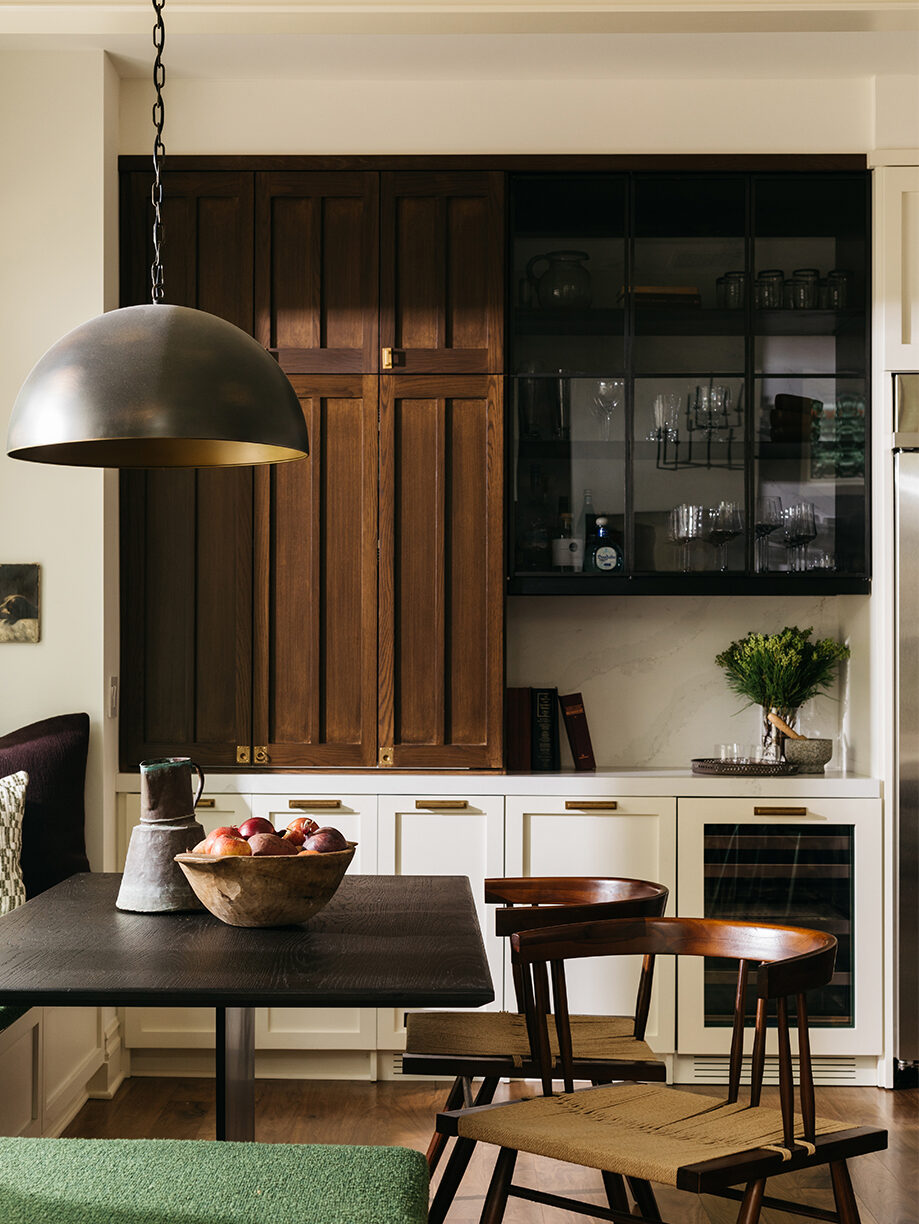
(518, 722)
(546, 756)
(578, 733)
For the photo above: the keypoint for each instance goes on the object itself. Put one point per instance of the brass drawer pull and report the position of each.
(780, 811)
(314, 803)
(206, 803)
(443, 805)
(591, 805)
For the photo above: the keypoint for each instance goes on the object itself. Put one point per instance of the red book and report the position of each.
(578, 735)
(517, 722)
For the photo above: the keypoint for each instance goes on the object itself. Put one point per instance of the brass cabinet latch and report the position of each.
(261, 754)
(385, 757)
(391, 357)
(242, 754)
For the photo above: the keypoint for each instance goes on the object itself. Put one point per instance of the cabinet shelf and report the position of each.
(596, 322)
(807, 322)
(737, 582)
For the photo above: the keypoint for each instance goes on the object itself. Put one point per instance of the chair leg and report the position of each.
(459, 1159)
(644, 1198)
(438, 1141)
(616, 1195)
(846, 1207)
(496, 1198)
(752, 1202)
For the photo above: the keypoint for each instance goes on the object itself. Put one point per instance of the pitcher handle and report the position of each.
(535, 260)
(200, 772)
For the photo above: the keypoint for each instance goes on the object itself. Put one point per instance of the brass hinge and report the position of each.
(242, 754)
(261, 754)
(385, 757)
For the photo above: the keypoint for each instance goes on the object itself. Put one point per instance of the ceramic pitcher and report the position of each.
(564, 283)
(153, 881)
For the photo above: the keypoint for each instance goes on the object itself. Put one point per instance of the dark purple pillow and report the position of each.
(53, 754)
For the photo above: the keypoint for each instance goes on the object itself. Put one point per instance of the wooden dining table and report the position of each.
(382, 941)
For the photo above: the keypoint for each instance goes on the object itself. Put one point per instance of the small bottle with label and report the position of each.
(604, 555)
(567, 551)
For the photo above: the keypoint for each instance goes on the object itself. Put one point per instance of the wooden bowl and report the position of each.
(265, 890)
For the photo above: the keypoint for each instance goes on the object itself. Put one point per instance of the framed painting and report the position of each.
(19, 603)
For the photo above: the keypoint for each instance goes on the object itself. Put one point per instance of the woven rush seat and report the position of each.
(639, 1130)
(504, 1035)
(158, 1181)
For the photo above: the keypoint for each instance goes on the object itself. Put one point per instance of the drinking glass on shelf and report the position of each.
(666, 416)
(725, 523)
(768, 518)
(685, 529)
(799, 528)
(607, 400)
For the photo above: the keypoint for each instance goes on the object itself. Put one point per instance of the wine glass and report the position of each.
(768, 518)
(685, 528)
(725, 523)
(606, 401)
(799, 528)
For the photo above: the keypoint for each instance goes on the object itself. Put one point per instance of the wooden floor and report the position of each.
(307, 1111)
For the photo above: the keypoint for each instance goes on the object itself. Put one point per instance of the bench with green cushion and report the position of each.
(10, 1014)
(166, 1181)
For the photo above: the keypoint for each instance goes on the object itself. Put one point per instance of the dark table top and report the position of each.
(381, 941)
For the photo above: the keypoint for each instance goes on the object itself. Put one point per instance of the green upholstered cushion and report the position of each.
(166, 1181)
(10, 1014)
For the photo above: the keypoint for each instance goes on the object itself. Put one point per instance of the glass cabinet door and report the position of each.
(689, 365)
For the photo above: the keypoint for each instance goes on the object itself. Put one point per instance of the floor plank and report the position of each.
(313, 1111)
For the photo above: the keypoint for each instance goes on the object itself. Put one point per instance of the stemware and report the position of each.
(606, 401)
(799, 528)
(666, 415)
(725, 523)
(685, 528)
(768, 518)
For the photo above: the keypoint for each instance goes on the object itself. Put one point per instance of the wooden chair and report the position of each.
(643, 1133)
(496, 1045)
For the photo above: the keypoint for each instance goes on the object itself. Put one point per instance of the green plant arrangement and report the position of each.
(780, 671)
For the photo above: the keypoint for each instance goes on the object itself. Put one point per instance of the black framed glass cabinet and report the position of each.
(688, 368)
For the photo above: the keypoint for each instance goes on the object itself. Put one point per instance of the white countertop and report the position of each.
(604, 782)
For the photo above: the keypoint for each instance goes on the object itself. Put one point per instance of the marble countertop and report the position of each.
(603, 782)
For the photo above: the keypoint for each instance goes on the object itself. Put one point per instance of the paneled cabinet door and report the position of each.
(186, 535)
(443, 835)
(897, 198)
(441, 564)
(442, 272)
(317, 270)
(315, 677)
(602, 836)
(322, 1028)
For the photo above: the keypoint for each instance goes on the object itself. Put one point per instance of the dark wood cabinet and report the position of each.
(441, 581)
(346, 610)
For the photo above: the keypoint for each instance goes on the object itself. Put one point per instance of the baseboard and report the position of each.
(833, 1070)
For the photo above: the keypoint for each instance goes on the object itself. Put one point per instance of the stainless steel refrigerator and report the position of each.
(906, 460)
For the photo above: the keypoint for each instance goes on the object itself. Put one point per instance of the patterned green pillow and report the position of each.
(12, 806)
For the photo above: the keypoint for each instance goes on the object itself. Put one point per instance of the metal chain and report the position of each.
(159, 151)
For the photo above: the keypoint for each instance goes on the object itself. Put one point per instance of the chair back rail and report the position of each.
(788, 960)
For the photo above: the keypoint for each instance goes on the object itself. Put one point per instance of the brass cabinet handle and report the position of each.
(591, 805)
(780, 811)
(391, 357)
(205, 803)
(387, 359)
(242, 754)
(443, 805)
(261, 754)
(314, 803)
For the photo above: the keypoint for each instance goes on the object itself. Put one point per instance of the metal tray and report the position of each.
(713, 767)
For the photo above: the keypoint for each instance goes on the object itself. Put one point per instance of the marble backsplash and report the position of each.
(654, 696)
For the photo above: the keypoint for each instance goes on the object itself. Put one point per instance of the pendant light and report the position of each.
(157, 385)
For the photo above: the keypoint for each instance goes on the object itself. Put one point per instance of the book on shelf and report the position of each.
(572, 705)
(518, 720)
(545, 751)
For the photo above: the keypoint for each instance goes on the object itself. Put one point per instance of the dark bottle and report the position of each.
(534, 540)
(604, 556)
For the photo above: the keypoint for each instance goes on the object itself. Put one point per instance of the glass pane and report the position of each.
(797, 874)
(568, 248)
(569, 439)
(810, 475)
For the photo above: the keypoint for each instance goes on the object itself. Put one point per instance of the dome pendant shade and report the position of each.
(157, 386)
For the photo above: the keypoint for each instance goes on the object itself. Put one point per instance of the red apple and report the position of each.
(302, 824)
(325, 841)
(296, 837)
(302, 852)
(228, 844)
(202, 847)
(255, 824)
(263, 844)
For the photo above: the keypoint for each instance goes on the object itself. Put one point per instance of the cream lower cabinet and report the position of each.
(276, 1028)
(602, 836)
(446, 835)
(808, 861)
(897, 273)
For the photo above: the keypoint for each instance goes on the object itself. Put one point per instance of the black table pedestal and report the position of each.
(235, 1072)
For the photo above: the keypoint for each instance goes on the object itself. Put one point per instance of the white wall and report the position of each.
(57, 223)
